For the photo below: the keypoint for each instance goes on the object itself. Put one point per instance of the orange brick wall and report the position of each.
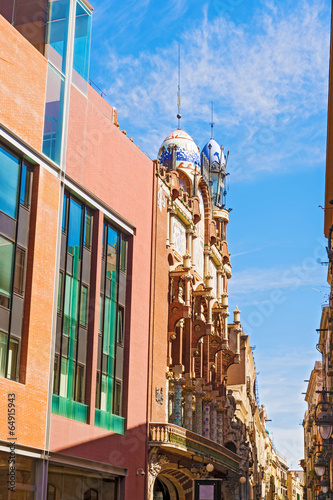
(23, 83)
(31, 396)
(160, 288)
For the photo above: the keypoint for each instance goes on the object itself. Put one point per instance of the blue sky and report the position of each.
(264, 64)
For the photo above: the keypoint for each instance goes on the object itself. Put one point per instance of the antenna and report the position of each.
(212, 121)
(178, 95)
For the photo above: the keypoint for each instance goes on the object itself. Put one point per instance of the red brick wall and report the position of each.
(23, 83)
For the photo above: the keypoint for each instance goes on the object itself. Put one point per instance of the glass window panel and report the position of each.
(100, 314)
(25, 186)
(6, 271)
(117, 398)
(79, 389)
(123, 254)
(98, 389)
(120, 326)
(64, 213)
(83, 305)
(67, 305)
(12, 369)
(30, 20)
(19, 271)
(9, 177)
(3, 353)
(60, 292)
(104, 387)
(54, 103)
(81, 47)
(63, 378)
(55, 374)
(74, 228)
(87, 229)
(58, 33)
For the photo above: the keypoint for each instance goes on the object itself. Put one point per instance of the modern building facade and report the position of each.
(75, 265)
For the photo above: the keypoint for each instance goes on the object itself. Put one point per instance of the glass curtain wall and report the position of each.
(109, 385)
(72, 320)
(15, 195)
(57, 50)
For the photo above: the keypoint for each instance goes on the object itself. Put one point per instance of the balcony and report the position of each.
(171, 438)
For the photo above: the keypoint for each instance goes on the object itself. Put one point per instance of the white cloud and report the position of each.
(257, 77)
(260, 280)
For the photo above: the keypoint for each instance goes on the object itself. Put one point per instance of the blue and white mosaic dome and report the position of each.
(215, 152)
(187, 151)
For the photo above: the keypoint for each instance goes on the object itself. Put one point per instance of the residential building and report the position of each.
(295, 485)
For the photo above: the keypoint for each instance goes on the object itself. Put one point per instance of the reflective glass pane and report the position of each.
(12, 369)
(81, 47)
(6, 270)
(87, 229)
(64, 213)
(111, 252)
(104, 387)
(53, 115)
(9, 177)
(123, 254)
(74, 228)
(58, 33)
(63, 378)
(3, 353)
(19, 271)
(60, 292)
(79, 389)
(83, 305)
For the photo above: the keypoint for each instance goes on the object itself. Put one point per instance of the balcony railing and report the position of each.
(174, 437)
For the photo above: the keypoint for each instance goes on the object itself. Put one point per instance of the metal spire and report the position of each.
(212, 121)
(178, 95)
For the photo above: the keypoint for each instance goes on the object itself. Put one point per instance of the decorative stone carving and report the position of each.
(155, 462)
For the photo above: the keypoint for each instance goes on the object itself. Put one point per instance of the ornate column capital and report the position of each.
(178, 381)
(199, 394)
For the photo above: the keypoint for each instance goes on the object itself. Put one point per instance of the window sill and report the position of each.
(109, 421)
(69, 408)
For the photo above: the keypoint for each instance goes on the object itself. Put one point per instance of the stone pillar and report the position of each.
(177, 407)
(171, 219)
(188, 278)
(225, 343)
(188, 408)
(189, 246)
(219, 285)
(219, 418)
(197, 427)
(213, 421)
(206, 402)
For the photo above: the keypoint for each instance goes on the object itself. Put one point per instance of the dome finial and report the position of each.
(178, 95)
(212, 121)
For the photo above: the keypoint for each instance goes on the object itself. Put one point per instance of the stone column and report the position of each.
(177, 407)
(219, 285)
(188, 408)
(189, 247)
(171, 219)
(225, 343)
(206, 402)
(219, 418)
(213, 421)
(188, 278)
(197, 427)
